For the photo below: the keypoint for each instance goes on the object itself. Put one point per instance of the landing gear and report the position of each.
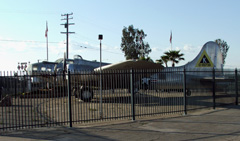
(85, 94)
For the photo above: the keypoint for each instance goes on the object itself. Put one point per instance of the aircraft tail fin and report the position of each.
(209, 57)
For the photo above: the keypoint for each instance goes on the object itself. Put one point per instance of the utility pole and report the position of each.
(66, 25)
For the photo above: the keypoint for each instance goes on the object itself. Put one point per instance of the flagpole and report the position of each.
(47, 48)
(46, 35)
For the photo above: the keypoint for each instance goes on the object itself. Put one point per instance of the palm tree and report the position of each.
(159, 61)
(164, 59)
(174, 56)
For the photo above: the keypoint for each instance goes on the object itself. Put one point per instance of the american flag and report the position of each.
(171, 37)
(46, 32)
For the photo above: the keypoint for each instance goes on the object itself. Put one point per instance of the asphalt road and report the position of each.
(219, 124)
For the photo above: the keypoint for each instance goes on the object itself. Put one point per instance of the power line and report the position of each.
(27, 41)
(90, 40)
(5, 11)
(98, 49)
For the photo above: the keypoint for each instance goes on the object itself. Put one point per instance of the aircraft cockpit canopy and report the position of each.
(77, 57)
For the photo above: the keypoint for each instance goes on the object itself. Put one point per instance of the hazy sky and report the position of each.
(193, 23)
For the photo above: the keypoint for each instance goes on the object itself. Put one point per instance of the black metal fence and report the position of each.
(51, 99)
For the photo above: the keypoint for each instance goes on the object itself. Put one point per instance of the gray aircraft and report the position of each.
(75, 64)
(61, 65)
(199, 72)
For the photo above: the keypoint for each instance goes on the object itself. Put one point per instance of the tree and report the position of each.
(132, 43)
(223, 47)
(146, 59)
(159, 61)
(174, 56)
(164, 59)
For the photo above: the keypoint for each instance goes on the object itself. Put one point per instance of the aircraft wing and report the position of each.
(217, 79)
(131, 64)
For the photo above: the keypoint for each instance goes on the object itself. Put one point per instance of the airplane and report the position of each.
(79, 65)
(75, 64)
(209, 58)
(60, 66)
(114, 76)
(199, 72)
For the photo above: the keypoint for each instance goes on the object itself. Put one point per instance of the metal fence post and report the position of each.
(213, 89)
(69, 99)
(15, 86)
(0, 87)
(184, 92)
(101, 103)
(236, 85)
(132, 93)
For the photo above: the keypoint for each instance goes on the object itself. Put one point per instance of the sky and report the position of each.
(192, 22)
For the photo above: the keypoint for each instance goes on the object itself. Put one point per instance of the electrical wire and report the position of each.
(27, 41)
(98, 49)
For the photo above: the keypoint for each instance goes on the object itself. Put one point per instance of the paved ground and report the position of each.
(219, 124)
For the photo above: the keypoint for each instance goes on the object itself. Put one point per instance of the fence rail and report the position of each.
(52, 99)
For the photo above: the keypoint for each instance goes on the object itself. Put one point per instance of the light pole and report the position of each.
(100, 37)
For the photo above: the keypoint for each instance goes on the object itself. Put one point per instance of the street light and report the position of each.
(100, 37)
